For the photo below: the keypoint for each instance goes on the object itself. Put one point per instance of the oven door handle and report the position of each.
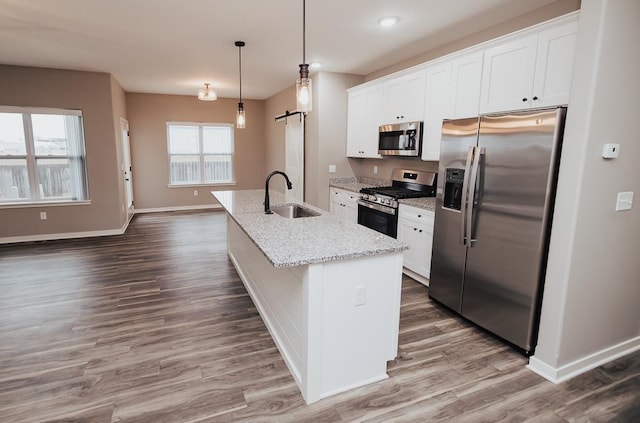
(378, 207)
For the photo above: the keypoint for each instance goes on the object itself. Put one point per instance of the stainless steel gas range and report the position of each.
(378, 206)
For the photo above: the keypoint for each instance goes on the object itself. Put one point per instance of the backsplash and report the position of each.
(363, 168)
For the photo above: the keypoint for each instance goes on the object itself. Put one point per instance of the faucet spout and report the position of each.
(267, 206)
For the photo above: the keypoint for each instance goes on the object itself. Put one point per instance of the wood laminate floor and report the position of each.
(155, 326)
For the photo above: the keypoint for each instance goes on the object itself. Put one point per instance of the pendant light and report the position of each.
(240, 118)
(207, 94)
(303, 84)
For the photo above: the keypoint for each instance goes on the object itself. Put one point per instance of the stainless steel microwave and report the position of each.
(400, 139)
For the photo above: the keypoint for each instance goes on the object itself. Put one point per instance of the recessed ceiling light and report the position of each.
(315, 65)
(390, 21)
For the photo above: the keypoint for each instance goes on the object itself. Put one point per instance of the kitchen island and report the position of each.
(328, 291)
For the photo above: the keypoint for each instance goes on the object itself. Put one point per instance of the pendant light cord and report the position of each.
(304, 36)
(240, 69)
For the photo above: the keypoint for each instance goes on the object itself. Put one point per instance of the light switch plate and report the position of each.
(624, 201)
(610, 151)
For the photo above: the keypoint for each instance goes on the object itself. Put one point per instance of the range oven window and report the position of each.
(378, 220)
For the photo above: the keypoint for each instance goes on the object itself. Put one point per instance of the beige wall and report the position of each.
(545, 13)
(592, 292)
(325, 133)
(92, 93)
(365, 167)
(148, 116)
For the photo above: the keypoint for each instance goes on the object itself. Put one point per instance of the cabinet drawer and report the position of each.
(416, 214)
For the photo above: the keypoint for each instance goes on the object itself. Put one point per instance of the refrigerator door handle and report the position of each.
(465, 190)
(479, 151)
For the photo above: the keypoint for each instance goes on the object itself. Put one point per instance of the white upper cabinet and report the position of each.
(437, 107)
(452, 92)
(404, 98)
(554, 65)
(531, 71)
(466, 79)
(364, 115)
(508, 75)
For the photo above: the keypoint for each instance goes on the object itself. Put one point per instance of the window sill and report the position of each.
(44, 204)
(219, 184)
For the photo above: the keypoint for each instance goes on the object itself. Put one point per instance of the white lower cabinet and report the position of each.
(415, 228)
(344, 204)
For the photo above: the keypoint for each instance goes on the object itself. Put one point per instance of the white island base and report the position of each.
(335, 323)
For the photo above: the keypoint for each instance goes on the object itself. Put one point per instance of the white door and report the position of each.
(128, 179)
(294, 157)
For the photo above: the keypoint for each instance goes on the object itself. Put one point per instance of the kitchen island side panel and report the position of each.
(335, 323)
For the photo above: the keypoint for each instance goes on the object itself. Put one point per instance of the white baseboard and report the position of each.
(178, 208)
(65, 235)
(584, 364)
(415, 276)
(107, 232)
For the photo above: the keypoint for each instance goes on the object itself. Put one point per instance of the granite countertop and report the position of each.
(427, 203)
(293, 242)
(356, 184)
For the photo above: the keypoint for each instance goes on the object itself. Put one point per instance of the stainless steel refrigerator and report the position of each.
(494, 204)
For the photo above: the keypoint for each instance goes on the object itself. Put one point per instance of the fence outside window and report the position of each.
(42, 155)
(200, 153)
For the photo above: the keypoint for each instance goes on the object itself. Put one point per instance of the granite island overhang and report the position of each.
(328, 291)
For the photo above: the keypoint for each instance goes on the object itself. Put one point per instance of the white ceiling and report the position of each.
(175, 46)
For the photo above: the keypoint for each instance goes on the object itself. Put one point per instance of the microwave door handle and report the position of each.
(465, 188)
(472, 195)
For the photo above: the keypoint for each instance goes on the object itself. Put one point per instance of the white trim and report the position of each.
(106, 232)
(584, 364)
(65, 235)
(40, 110)
(208, 184)
(178, 208)
(416, 276)
(45, 204)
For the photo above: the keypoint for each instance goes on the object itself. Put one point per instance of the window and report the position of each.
(200, 153)
(42, 156)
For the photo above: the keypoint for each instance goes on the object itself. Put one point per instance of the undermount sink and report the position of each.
(294, 211)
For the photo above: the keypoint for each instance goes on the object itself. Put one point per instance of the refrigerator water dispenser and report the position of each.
(452, 198)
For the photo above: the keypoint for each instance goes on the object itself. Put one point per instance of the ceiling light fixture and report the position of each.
(240, 118)
(303, 84)
(207, 94)
(390, 21)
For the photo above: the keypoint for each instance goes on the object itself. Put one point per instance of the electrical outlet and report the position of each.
(375, 170)
(624, 201)
(43, 215)
(195, 192)
(332, 168)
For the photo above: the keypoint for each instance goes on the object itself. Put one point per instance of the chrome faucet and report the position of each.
(267, 207)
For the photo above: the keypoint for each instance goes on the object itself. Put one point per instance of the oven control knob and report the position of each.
(386, 201)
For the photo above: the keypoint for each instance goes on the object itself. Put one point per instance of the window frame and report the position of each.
(201, 155)
(31, 158)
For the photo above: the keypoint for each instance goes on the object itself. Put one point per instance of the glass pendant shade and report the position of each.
(303, 90)
(304, 94)
(207, 93)
(240, 118)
